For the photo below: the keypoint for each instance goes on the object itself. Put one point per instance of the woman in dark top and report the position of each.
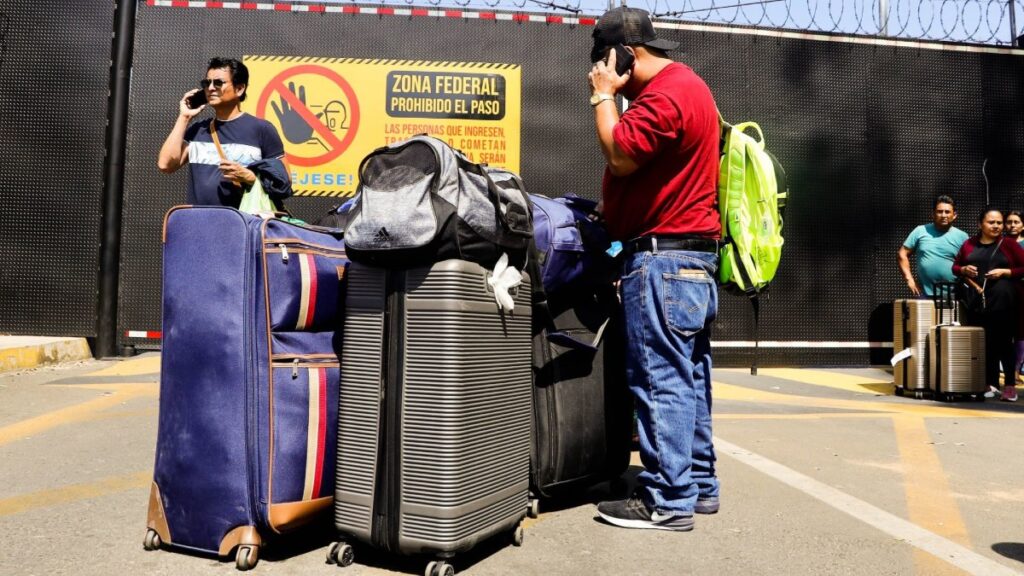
(989, 263)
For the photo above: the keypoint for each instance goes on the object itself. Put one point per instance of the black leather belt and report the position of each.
(661, 243)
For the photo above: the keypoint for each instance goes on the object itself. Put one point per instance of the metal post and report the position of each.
(113, 177)
(883, 17)
(1013, 23)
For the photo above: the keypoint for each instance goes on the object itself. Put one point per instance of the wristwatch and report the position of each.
(599, 97)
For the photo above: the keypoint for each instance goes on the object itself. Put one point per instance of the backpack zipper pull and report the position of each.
(295, 368)
(284, 252)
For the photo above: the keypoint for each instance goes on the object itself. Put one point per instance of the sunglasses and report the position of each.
(217, 83)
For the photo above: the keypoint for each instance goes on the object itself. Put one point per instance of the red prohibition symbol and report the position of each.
(335, 147)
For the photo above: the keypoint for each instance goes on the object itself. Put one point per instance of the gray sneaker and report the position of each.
(634, 513)
(706, 505)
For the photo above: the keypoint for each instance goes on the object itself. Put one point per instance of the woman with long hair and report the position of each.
(1014, 225)
(1015, 229)
(989, 264)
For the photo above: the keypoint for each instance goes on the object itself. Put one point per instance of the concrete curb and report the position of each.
(24, 352)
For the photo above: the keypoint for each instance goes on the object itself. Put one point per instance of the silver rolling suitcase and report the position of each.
(956, 355)
(911, 321)
(957, 361)
(434, 416)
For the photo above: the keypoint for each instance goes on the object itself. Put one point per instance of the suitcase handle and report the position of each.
(945, 299)
(564, 339)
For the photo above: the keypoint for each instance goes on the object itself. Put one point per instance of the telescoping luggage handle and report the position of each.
(945, 299)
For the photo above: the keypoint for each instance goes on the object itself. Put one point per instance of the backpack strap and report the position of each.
(755, 301)
(723, 134)
(220, 151)
(757, 128)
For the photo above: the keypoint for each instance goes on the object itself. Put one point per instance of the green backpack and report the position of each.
(751, 198)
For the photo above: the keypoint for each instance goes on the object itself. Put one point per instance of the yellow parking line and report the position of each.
(723, 391)
(133, 367)
(835, 380)
(74, 493)
(930, 504)
(77, 413)
(961, 558)
(814, 416)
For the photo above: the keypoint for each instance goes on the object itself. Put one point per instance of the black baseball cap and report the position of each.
(628, 26)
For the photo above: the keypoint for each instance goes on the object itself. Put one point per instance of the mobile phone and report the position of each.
(624, 59)
(196, 100)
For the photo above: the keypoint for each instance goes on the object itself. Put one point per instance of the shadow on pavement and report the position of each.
(1011, 550)
(617, 489)
(304, 540)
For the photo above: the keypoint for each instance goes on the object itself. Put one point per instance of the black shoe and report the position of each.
(706, 505)
(634, 513)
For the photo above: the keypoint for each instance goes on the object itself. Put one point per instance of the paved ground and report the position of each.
(823, 472)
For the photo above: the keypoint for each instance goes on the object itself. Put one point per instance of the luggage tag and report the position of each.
(614, 249)
(901, 356)
(690, 273)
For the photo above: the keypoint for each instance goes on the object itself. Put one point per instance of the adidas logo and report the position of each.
(382, 236)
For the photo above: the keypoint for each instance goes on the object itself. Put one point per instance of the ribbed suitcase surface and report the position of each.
(911, 321)
(957, 359)
(434, 434)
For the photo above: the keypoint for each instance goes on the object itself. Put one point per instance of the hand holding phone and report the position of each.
(196, 100)
(624, 59)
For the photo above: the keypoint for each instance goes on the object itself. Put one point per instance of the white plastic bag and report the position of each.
(502, 279)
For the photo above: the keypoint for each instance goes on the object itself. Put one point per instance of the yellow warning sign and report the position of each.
(332, 112)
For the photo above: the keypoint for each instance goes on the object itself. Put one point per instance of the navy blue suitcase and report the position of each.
(249, 380)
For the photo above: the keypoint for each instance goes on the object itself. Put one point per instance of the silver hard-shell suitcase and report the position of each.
(956, 354)
(435, 412)
(957, 360)
(911, 321)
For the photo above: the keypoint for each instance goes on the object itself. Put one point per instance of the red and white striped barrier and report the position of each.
(150, 334)
(377, 11)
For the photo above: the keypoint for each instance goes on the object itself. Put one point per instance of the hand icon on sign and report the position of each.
(295, 127)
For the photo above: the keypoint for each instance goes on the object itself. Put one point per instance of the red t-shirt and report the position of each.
(671, 131)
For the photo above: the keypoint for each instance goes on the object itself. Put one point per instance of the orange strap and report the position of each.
(220, 151)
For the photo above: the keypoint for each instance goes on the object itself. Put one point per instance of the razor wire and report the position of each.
(968, 21)
(963, 21)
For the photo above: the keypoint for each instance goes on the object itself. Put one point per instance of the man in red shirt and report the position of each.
(659, 195)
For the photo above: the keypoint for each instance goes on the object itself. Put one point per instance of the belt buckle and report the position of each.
(654, 244)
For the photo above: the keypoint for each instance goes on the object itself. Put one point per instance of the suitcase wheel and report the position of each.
(152, 540)
(342, 554)
(533, 508)
(439, 568)
(517, 536)
(899, 391)
(247, 556)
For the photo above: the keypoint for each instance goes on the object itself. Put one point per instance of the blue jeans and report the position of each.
(670, 300)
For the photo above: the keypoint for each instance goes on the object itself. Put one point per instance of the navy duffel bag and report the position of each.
(571, 243)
